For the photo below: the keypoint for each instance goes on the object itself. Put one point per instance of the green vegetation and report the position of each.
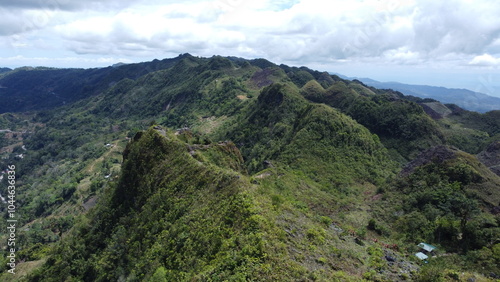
(438, 202)
(28, 89)
(402, 125)
(218, 169)
(179, 217)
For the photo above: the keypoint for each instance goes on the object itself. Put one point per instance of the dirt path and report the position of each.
(114, 148)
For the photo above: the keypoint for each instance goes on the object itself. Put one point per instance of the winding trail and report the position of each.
(103, 156)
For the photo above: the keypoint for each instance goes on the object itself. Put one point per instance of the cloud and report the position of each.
(68, 62)
(14, 22)
(301, 32)
(485, 60)
(152, 29)
(65, 5)
(463, 27)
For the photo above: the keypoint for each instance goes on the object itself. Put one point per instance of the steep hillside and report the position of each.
(176, 216)
(447, 197)
(171, 215)
(470, 131)
(491, 157)
(316, 139)
(402, 125)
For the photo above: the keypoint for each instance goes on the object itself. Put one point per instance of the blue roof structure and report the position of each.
(427, 247)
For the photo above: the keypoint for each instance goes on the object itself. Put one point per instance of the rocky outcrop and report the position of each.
(436, 110)
(436, 154)
(491, 157)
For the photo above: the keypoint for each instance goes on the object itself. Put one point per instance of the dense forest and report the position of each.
(227, 169)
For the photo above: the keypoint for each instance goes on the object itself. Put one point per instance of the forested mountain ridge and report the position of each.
(247, 170)
(2, 70)
(28, 88)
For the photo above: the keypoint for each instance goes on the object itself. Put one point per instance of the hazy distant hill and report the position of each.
(2, 70)
(473, 101)
(30, 89)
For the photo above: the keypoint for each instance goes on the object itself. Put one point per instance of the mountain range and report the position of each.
(467, 99)
(228, 169)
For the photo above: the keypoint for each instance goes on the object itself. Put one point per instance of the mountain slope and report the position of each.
(402, 125)
(156, 167)
(174, 215)
(448, 197)
(170, 214)
(283, 127)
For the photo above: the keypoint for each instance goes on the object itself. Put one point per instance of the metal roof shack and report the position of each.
(421, 256)
(427, 247)
(427, 250)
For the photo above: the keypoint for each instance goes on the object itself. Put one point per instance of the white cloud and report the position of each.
(293, 30)
(68, 62)
(67, 5)
(403, 56)
(485, 60)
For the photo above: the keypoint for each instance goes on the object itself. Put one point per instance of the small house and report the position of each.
(421, 256)
(426, 251)
(427, 248)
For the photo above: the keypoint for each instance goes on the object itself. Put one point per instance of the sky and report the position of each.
(453, 43)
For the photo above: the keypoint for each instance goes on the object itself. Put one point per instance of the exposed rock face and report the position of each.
(436, 110)
(262, 78)
(491, 157)
(436, 154)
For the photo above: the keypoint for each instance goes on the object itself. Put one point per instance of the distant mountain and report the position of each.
(2, 70)
(31, 89)
(118, 65)
(470, 100)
